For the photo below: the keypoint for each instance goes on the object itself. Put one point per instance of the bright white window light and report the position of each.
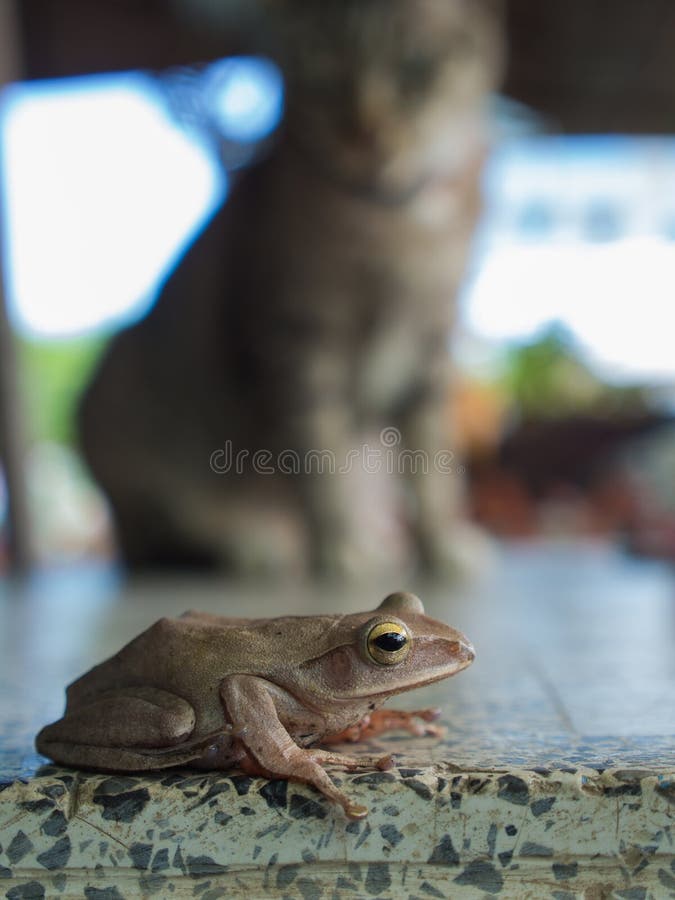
(245, 97)
(597, 255)
(618, 300)
(102, 193)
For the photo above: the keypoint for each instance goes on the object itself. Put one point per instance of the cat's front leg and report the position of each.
(320, 431)
(326, 492)
(446, 545)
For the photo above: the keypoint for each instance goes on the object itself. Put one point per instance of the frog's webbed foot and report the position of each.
(418, 722)
(382, 720)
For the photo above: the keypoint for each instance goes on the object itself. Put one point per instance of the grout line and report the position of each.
(553, 695)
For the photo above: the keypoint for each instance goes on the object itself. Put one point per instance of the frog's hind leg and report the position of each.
(129, 729)
(381, 721)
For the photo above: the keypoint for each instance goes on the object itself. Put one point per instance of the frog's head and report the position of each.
(393, 649)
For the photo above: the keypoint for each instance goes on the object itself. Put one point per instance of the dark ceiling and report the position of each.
(587, 65)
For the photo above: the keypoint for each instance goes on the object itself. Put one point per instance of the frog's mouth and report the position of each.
(404, 685)
(379, 683)
(343, 676)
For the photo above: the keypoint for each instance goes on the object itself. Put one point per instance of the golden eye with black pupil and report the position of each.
(388, 643)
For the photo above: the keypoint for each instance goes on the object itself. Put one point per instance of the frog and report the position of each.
(218, 693)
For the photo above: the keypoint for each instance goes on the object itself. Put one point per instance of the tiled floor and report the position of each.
(556, 776)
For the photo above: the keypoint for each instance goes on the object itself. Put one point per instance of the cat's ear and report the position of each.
(494, 10)
(440, 10)
(276, 8)
(498, 7)
(495, 7)
(489, 6)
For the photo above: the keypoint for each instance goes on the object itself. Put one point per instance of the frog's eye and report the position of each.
(388, 643)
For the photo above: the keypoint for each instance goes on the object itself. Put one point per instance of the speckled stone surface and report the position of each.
(556, 777)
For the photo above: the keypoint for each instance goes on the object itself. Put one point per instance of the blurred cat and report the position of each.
(315, 307)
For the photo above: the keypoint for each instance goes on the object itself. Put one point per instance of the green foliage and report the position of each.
(549, 378)
(54, 374)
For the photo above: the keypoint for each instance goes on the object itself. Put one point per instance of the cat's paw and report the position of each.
(256, 556)
(458, 553)
(338, 559)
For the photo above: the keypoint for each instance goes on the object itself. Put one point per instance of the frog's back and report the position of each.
(193, 653)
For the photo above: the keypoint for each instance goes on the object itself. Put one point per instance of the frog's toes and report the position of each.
(428, 715)
(326, 757)
(437, 731)
(355, 810)
(237, 732)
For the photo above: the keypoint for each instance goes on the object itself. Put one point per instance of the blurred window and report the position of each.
(602, 222)
(107, 179)
(535, 220)
(580, 230)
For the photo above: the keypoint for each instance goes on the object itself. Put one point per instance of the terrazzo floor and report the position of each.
(556, 776)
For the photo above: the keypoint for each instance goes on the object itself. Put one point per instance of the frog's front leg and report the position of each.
(128, 729)
(251, 705)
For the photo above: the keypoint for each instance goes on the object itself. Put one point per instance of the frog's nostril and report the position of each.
(467, 650)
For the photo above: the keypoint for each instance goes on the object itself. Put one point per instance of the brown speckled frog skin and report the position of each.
(217, 693)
